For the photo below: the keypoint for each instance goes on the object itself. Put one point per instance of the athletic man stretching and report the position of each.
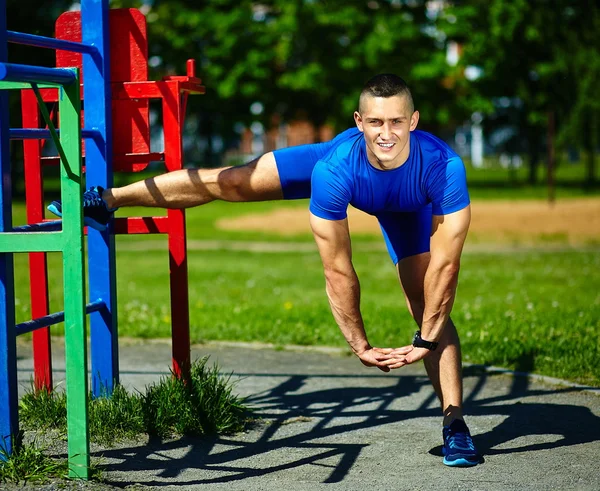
(411, 181)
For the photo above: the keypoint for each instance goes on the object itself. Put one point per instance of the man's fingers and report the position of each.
(404, 350)
(384, 351)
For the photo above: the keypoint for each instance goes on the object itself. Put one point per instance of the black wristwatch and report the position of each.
(419, 342)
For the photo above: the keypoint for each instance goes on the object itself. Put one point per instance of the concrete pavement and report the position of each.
(330, 423)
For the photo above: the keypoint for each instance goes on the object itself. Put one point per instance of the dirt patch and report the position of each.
(569, 221)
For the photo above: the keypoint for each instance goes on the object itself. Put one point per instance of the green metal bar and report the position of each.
(51, 128)
(74, 280)
(32, 242)
(25, 85)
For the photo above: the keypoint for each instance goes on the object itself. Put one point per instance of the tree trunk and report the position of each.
(592, 140)
(533, 149)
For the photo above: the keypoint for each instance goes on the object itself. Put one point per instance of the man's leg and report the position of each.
(444, 364)
(255, 181)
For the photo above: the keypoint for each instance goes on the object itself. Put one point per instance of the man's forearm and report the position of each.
(343, 292)
(441, 280)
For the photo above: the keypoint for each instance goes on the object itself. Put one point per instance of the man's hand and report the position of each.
(398, 357)
(374, 358)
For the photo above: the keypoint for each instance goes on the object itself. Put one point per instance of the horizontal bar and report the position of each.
(49, 226)
(43, 134)
(142, 225)
(27, 85)
(46, 42)
(12, 72)
(31, 242)
(151, 89)
(52, 319)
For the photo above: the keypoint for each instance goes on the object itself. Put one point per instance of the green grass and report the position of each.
(29, 464)
(526, 310)
(203, 405)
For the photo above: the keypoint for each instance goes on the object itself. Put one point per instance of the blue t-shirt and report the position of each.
(433, 173)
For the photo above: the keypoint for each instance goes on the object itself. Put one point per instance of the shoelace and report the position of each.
(92, 198)
(460, 440)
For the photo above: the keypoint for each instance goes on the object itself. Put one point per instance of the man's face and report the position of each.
(386, 123)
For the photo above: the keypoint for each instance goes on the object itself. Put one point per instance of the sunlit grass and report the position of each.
(520, 309)
(203, 405)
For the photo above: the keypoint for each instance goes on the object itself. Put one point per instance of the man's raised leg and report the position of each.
(186, 188)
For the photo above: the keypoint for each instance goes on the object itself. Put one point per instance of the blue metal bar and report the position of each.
(98, 152)
(12, 72)
(9, 419)
(50, 226)
(46, 42)
(52, 319)
(42, 134)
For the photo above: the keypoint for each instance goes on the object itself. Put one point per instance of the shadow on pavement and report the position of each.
(336, 412)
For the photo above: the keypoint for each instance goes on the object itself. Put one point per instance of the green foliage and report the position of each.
(298, 58)
(43, 409)
(28, 464)
(117, 417)
(202, 405)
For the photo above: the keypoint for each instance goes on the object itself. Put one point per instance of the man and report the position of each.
(411, 181)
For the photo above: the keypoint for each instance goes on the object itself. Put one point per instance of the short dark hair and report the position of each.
(386, 85)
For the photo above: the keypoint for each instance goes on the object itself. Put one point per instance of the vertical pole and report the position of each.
(38, 261)
(178, 272)
(9, 423)
(551, 159)
(101, 245)
(74, 280)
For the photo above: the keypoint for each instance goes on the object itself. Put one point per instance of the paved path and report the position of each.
(329, 423)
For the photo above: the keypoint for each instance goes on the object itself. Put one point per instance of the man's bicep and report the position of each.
(332, 238)
(449, 233)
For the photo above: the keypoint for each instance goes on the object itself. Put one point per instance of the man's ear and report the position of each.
(358, 121)
(414, 120)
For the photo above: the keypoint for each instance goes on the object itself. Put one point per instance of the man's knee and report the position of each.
(255, 181)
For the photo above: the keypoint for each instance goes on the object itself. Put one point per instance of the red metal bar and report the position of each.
(154, 89)
(38, 263)
(180, 317)
(142, 225)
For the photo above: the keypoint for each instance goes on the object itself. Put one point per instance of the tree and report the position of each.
(542, 53)
(300, 57)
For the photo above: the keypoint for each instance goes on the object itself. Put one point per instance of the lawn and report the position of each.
(529, 310)
(536, 311)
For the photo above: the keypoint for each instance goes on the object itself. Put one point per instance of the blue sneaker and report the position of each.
(458, 449)
(95, 212)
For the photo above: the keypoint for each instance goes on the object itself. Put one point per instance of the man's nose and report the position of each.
(385, 132)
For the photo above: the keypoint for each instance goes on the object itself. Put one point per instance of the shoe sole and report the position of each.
(90, 222)
(460, 463)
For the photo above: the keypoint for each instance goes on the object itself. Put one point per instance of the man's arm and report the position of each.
(441, 278)
(342, 286)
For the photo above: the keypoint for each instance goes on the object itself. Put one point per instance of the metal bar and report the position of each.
(99, 172)
(46, 42)
(74, 276)
(49, 226)
(43, 134)
(178, 271)
(55, 318)
(38, 261)
(26, 85)
(50, 125)
(12, 72)
(9, 419)
(31, 242)
(142, 225)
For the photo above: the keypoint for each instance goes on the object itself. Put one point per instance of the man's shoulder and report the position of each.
(345, 147)
(434, 148)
